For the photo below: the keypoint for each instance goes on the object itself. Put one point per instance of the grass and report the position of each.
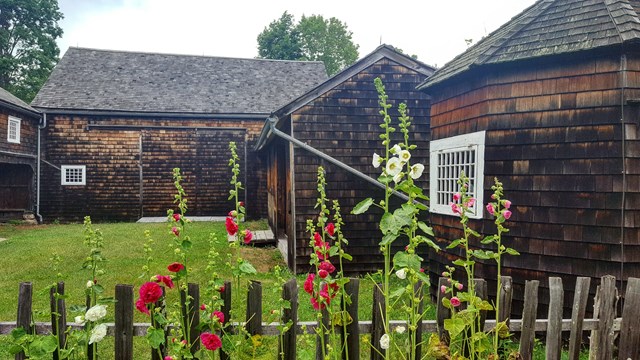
(28, 250)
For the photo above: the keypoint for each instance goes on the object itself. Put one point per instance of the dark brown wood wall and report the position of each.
(28, 132)
(113, 157)
(554, 140)
(344, 123)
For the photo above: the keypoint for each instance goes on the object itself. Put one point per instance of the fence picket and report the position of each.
(442, 312)
(630, 327)
(352, 337)
(161, 352)
(601, 345)
(124, 322)
(580, 298)
(418, 293)
(287, 342)
(58, 316)
(480, 286)
(377, 322)
(25, 298)
(529, 319)
(190, 307)
(225, 295)
(554, 326)
(254, 308)
(506, 296)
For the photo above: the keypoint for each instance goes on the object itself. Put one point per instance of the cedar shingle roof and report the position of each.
(90, 79)
(550, 27)
(9, 99)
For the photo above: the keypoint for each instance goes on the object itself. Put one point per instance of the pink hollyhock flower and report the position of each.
(248, 235)
(308, 284)
(166, 280)
(445, 274)
(241, 203)
(324, 292)
(455, 208)
(232, 227)
(421, 270)
(323, 273)
(443, 289)
(506, 214)
(330, 228)
(317, 239)
(470, 203)
(175, 267)
(210, 341)
(493, 196)
(456, 197)
(142, 307)
(150, 292)
(507, 204)
(335, 287)
(459, 286)
(326, 265)
(219, 315)
(176, 217)
(221, 289)
(232, 213)
(455, 302)
(168, 357)
(490, 209)
(316, 305)
(175, 231)
(203, 307)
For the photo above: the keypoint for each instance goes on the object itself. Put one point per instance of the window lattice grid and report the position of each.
(14, 130)
(74, 175)
(450, 165)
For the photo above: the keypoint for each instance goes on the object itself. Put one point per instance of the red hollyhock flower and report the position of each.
(325, 294)
(176, 217)
(326, 265)
(175, 231)
(166, 280)
(248, 235)
(221, 289)
(219, 315)
(241, 203)
(308, 284)
(316, 305)
(175, 267)
(150, 292)
(232, 227)
(203, 307)
(330, 228)
(232, 213)
(142, 307)
(323, 274)
(210, 341)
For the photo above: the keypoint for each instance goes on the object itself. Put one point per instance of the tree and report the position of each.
(314, 38)
(280, 40)
(28, 49)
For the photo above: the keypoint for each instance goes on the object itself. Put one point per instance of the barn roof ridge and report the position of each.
(12, 101)
(382, 51)
(547, 28)
(124, 81)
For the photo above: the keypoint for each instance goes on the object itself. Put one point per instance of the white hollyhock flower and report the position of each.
(98, 333)
(401, 329)
(397, 178)
(377, 160)
(394, 166)
(416, 171)
(395, 149)
(96, 313)
(79, 319)
(89, 284)
(384, 341)
(401, 274)
(404, 156)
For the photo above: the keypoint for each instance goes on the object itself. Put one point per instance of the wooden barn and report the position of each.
(18, 157)
(549, 104)
(117, 123)
(336, 125)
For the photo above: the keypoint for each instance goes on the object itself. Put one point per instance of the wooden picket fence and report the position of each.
(609, 333)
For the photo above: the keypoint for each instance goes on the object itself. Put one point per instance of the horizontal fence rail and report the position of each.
(605, 327)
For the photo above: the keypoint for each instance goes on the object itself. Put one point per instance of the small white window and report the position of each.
(13, 133)
(448, 158)
(74, 174)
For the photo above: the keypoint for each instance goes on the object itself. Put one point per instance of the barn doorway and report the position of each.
(16, 191)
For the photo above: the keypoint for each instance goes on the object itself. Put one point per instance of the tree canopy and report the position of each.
(28, 49)
(313, 38)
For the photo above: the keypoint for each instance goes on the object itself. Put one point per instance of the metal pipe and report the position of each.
(138, 114)
(40, 128)
(32, 156)
(340, 164)
(623, 84)
(160, 127)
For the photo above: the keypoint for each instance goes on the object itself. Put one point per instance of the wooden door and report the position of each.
(16, 185)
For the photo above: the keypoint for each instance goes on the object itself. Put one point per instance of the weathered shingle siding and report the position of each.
(344, 123)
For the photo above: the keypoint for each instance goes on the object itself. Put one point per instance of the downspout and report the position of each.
(292, 198)
(40, 128)
(623, 84)
(320, 154)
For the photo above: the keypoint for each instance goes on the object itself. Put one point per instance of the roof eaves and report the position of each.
(625, 19)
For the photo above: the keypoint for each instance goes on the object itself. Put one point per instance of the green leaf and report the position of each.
(402, 217)
(511, 251)
(385, 179)
(186, 244)
(454, 326)
(362, 206)
(333, 251)
(246, 268)
(426, 240)
(155, 337)
(347, 257)
(398, 292)
(388, 224)
(455, 243)
(98, 289)
(17, 333)
(388, 239)
(489, 239)
(425, 228)
(403, 260)
(424, 277)
(43, 345)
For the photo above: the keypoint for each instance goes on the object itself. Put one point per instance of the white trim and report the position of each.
(15, 122)
(81, 176)
(467, 151)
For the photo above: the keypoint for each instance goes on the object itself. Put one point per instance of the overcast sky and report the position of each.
(433, 30)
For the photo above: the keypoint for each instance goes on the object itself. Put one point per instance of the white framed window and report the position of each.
(13, 130)
(74, 174)
(448, 158)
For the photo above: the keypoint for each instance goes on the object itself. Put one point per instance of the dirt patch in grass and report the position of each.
(263, 259)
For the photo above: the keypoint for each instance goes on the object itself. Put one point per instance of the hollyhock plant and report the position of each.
(455, 302)
(210, 341)
(248, 236)
(166, 280)
(177, 217)
(218, 315)
(175, 230)
(377, 160)
(142, 306)
(232, 227)
(150, 292)
(175, 267)
(330, 229)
